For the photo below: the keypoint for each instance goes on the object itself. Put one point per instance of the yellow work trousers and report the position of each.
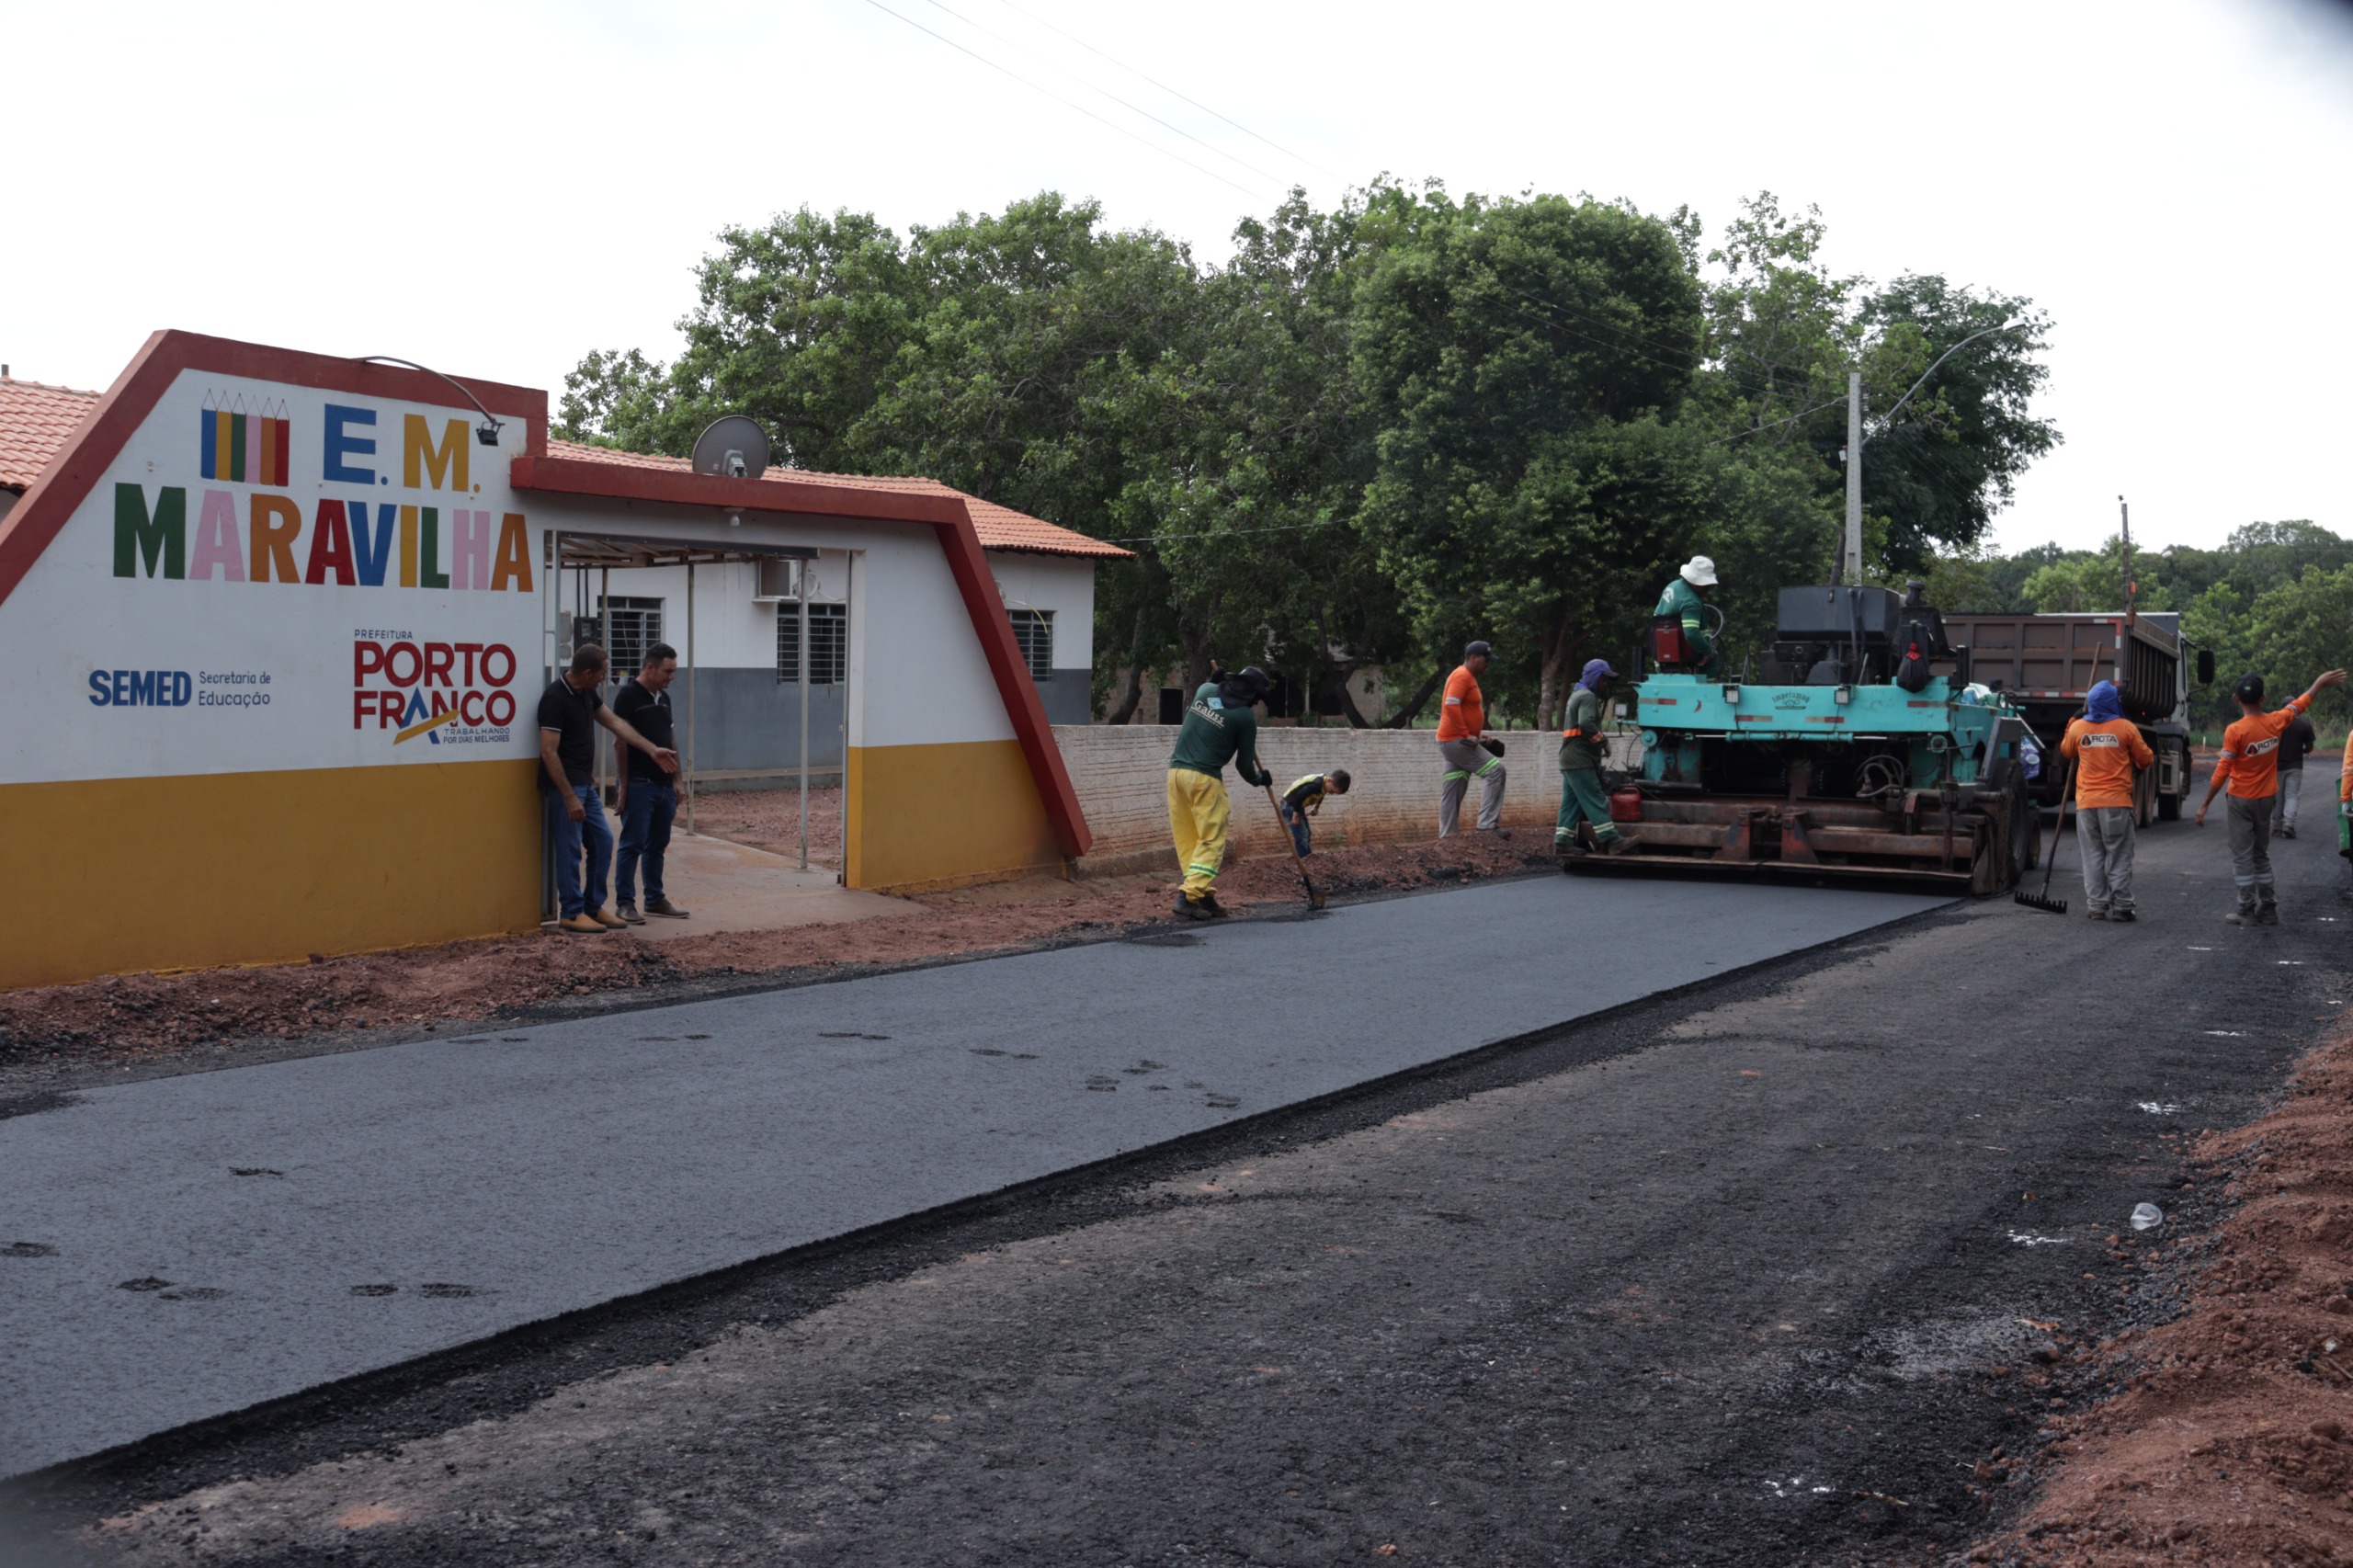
(1199, 810)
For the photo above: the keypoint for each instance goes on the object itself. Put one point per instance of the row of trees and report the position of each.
(1376, 431)
(2277, 598)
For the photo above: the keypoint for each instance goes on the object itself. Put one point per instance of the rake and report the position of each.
(2044, 901)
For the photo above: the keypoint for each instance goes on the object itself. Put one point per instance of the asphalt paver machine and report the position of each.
(1861, 754)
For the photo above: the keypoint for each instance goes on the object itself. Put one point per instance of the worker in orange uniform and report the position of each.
(2249, 764)
(1462, 745)
(2107, 750)
(2345, 801)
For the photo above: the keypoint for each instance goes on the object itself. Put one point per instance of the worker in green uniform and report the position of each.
(1220, 726)
(1684, 600)
(1583, 800)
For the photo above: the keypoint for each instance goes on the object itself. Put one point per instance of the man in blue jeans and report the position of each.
(648, 799)
(570, 711)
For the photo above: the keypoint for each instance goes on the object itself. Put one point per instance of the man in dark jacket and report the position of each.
(2296, 743)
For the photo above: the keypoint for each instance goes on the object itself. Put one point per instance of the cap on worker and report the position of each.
(1595, 670)
(2249, 689)
(1699, 571)
(1478, 650)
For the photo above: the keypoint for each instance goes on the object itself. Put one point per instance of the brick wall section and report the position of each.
(1121, 774)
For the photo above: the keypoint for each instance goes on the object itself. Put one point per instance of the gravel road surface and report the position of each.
(1747, 1274)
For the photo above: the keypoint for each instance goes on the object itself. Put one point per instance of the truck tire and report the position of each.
(2002, 844)
(2169, 806)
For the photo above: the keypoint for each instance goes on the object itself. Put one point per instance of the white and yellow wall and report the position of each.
(209, 761)
(280, 700)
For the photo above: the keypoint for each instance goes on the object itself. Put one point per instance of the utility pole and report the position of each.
(2124, 627)
(1851, 562)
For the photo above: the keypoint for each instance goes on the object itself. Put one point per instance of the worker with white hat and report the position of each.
(1683, 603)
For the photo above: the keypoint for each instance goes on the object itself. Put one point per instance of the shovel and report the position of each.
(2045, 903)
(1314, 898)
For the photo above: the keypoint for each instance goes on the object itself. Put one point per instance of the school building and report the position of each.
(279, 623)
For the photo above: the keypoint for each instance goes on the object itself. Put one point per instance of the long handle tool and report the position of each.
(2048, 905)
(1314, 898)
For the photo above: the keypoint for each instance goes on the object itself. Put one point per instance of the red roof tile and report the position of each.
(1000, 528)
(35, 421)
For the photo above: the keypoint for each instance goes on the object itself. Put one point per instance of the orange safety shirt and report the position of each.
(2250, 758)
(2105, 753)
(2344, 775)
(1465, 713)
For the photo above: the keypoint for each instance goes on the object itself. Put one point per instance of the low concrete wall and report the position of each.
(1121, 776)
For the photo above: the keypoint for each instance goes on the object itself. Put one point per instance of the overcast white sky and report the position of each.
(494, 187)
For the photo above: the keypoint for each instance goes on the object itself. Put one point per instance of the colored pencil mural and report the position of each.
(243, 448)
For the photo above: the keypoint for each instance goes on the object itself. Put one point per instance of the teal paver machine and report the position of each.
(1862, 754)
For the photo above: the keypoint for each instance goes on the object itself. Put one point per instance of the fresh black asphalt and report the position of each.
(189, 1246)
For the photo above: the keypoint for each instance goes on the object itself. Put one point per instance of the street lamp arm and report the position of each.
(1887, 421)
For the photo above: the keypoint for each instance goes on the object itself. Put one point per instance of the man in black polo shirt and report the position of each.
(568, 713)
(648, 799)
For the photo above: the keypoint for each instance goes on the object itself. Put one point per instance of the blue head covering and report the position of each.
(1595, 672)
(2103, 702)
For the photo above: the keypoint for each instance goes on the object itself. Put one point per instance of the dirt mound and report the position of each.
(2232, 1440)
(144, 1017)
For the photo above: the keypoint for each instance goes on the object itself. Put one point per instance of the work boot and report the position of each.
(663, 907)
(2126, 915)
(2287, 830)
(608, 919)
(627, 912)
(2268, 915)
(1217, 910)
(1188, 908)
(581, 926)
(2095, 913)
(1622, 844)
(2243, 915)
(1498, 832)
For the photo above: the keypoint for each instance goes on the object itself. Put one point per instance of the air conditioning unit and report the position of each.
(779, 580)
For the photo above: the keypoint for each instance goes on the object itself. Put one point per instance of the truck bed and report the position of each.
(2046, 658)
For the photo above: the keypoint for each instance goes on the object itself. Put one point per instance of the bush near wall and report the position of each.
(1121, 776)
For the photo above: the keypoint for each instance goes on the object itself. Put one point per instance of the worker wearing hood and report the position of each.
(1220, 726)
(1583, 800)
(2108, 753)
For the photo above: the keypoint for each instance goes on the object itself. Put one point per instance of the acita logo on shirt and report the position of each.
(2110, 742)
(2259, 747)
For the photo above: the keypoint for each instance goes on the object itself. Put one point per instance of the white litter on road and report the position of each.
(2159, 1108)
(2024, 1240)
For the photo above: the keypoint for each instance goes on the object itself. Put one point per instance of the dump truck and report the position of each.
(1860, 756)
(2045, 664)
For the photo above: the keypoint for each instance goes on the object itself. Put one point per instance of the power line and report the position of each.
(1172, 92)
(1135, 108)
(1063, 101)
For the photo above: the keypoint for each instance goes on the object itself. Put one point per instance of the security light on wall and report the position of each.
(487, 432)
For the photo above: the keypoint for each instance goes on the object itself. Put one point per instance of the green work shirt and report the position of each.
(1682, 601)
(1581, 732)
(1214, 735)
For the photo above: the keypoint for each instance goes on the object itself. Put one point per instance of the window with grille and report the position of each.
(828, 643)
(1033, 633)
(626, 627)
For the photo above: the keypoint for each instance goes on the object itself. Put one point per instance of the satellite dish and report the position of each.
(732, 448)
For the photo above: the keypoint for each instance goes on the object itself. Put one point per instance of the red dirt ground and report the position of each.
(147, 1018)
(2233, 1441)
(770, 819)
